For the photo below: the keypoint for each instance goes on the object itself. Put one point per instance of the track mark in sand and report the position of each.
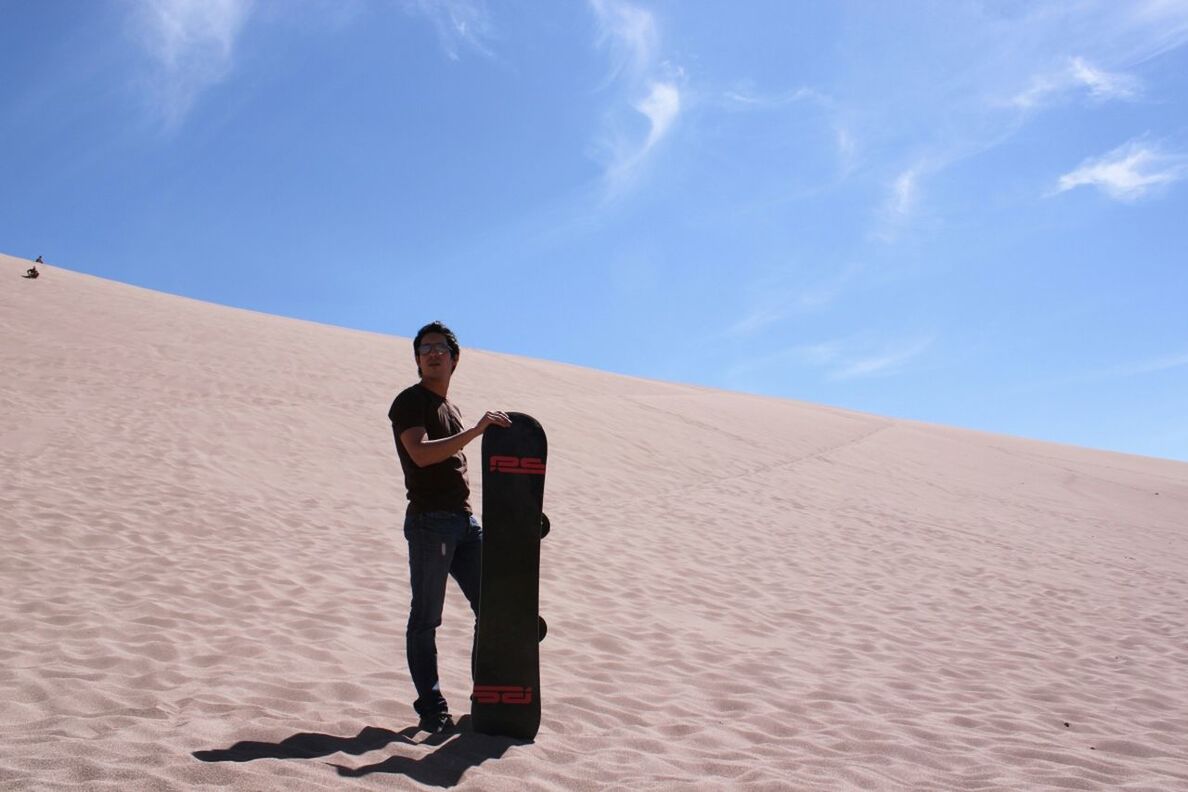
(1063, 463)
(781, 465)
(709, 427)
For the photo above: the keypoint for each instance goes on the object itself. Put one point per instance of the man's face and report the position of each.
(433, 357)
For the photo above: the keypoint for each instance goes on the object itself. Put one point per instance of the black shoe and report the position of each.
(438, 723)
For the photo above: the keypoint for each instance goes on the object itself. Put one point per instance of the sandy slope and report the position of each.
(199, 523)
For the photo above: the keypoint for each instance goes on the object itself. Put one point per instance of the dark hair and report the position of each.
(436, 327)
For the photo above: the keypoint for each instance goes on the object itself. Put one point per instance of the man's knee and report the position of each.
(419, 624)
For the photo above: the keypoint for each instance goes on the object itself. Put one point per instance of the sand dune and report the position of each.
(203, 579)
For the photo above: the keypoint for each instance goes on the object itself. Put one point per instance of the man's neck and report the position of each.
(440, 387)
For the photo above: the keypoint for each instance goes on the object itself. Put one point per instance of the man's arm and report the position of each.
(425, 452)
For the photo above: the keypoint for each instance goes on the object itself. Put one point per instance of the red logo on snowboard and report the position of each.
(502, 694)
(510, 464)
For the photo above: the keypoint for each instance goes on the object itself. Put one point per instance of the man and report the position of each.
(443, 536)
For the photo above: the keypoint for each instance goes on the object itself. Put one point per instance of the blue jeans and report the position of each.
(439, 544)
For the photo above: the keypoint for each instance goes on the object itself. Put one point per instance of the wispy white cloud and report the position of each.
(1148, 28)
(902, 201)
(651, 88)
(745, 98)
(192, 43)
(826, 292)
(776, 299)
(842, 358)
(885, 362)
(1103, 84)
(815, 355)
(985, 79)
(459, 24)
(1146, 366)
(904, 192)
(1079, 74)
(624, 153)
(847, 148)
(757, 319)
(1128, 172)
(661, 107)
(629, 32)
(1121, 371)
(822, 354)
(788, 110)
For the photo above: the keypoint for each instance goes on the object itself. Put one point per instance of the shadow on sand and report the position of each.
(455, 752)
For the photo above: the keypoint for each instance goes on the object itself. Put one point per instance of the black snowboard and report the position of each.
(506, 699)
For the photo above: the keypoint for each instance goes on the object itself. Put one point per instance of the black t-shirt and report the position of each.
(443, 486)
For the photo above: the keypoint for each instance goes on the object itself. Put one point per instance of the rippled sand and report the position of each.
(203, 579)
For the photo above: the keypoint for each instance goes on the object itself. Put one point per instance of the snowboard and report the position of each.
(506, 698)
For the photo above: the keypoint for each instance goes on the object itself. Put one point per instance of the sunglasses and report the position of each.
(440, 346)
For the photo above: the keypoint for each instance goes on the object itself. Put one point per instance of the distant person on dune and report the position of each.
(32, 271)
(444, 538)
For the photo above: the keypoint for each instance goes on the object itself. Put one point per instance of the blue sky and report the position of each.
(967, 213)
